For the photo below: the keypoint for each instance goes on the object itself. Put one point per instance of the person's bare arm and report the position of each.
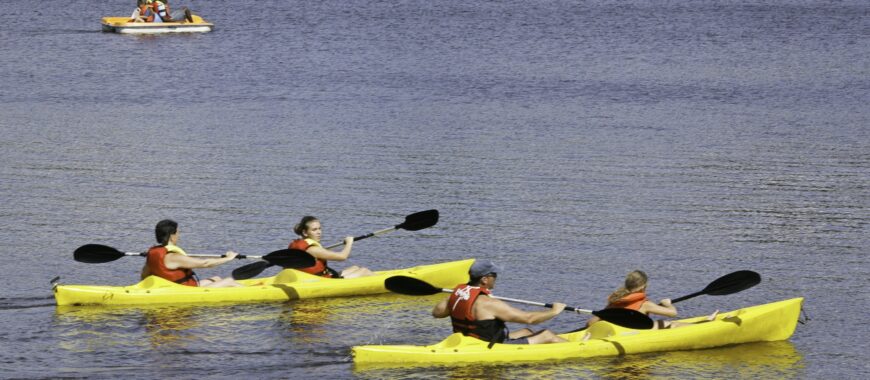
(325, 254)
(665, 309)
(493, 308)
(441, 310)
(175, 261)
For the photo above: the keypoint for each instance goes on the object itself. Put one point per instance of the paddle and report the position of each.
(97, 254)
(414, 222)
(285, 258)
(623, 317)
(728, 284)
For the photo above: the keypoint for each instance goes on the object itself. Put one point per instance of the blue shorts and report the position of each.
(523, 340)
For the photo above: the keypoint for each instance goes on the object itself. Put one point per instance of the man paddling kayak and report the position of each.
(472, 312)
(169, 261)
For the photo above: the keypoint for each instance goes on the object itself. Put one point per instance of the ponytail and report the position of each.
(634, 282)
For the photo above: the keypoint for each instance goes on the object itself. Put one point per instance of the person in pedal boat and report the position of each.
(632, 295)
(310, 232)
(158, 11)
(169, 261)
(474, 314)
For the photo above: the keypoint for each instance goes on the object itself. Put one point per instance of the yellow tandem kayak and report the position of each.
(768, 322)
(289, 284)
(124, 26)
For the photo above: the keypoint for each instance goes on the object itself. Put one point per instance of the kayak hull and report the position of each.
(768, 322)
(289, 284)
(124, 26)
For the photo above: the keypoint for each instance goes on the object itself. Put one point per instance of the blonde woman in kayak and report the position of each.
(169, 261)
(310, 232)
(632, 295)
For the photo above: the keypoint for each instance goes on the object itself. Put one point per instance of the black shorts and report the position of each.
(523, 340)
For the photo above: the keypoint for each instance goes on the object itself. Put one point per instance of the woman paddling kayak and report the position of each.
(632, 295)
(169, 261)
(310, 233)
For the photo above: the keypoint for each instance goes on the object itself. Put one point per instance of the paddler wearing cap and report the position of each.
(473, 313)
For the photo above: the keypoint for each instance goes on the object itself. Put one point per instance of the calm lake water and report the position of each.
(571, 142)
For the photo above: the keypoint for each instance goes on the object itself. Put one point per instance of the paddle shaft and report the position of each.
(368, 235)
(196, 255)
(533, 303)
(683, 298)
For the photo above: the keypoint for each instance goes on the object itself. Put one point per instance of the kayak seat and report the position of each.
(601, 330)
(287, 276)
(151, 282)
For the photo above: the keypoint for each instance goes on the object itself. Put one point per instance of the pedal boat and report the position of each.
(125, 26)
(289, 284)
(769, 322)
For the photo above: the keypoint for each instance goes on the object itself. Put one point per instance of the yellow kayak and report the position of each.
(768, 322)
(289, 284)
(123, 25)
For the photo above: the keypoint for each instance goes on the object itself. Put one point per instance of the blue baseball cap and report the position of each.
(482, 268)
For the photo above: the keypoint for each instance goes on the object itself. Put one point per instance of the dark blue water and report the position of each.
(571, 142)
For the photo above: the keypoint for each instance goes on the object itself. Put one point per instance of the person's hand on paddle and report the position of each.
(230, 255)
(558, 307)
(348, 241)
(666, 302)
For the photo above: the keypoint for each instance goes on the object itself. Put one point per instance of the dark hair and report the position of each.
(303, 224)
(165, 228)
(474, 281)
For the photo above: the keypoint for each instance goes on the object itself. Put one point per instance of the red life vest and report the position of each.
(461, 304)
(319, 268)
(631, 301)
(157, 267)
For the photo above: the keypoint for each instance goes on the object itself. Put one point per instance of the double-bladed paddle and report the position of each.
(728, 284)
(288, 258)
(623, 317)
(414, 222)
(98, 253)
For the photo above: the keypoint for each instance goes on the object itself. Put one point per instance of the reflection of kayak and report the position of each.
(123, 25)
(286, 285)
(769, 322)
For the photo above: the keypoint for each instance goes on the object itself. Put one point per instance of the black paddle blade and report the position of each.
(285, 258)
(245, 272)
(290, 258)
(733, 283)
(419, 220)
(410, 286)
(96, 253)
(627, 318)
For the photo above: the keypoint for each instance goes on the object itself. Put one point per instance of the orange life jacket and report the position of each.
(319, 268)
(461, 304)
(631, 301)
(157, 267)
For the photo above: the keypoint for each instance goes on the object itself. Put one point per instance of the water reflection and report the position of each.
(170, 327)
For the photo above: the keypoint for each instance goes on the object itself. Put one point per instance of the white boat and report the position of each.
(125, 26)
